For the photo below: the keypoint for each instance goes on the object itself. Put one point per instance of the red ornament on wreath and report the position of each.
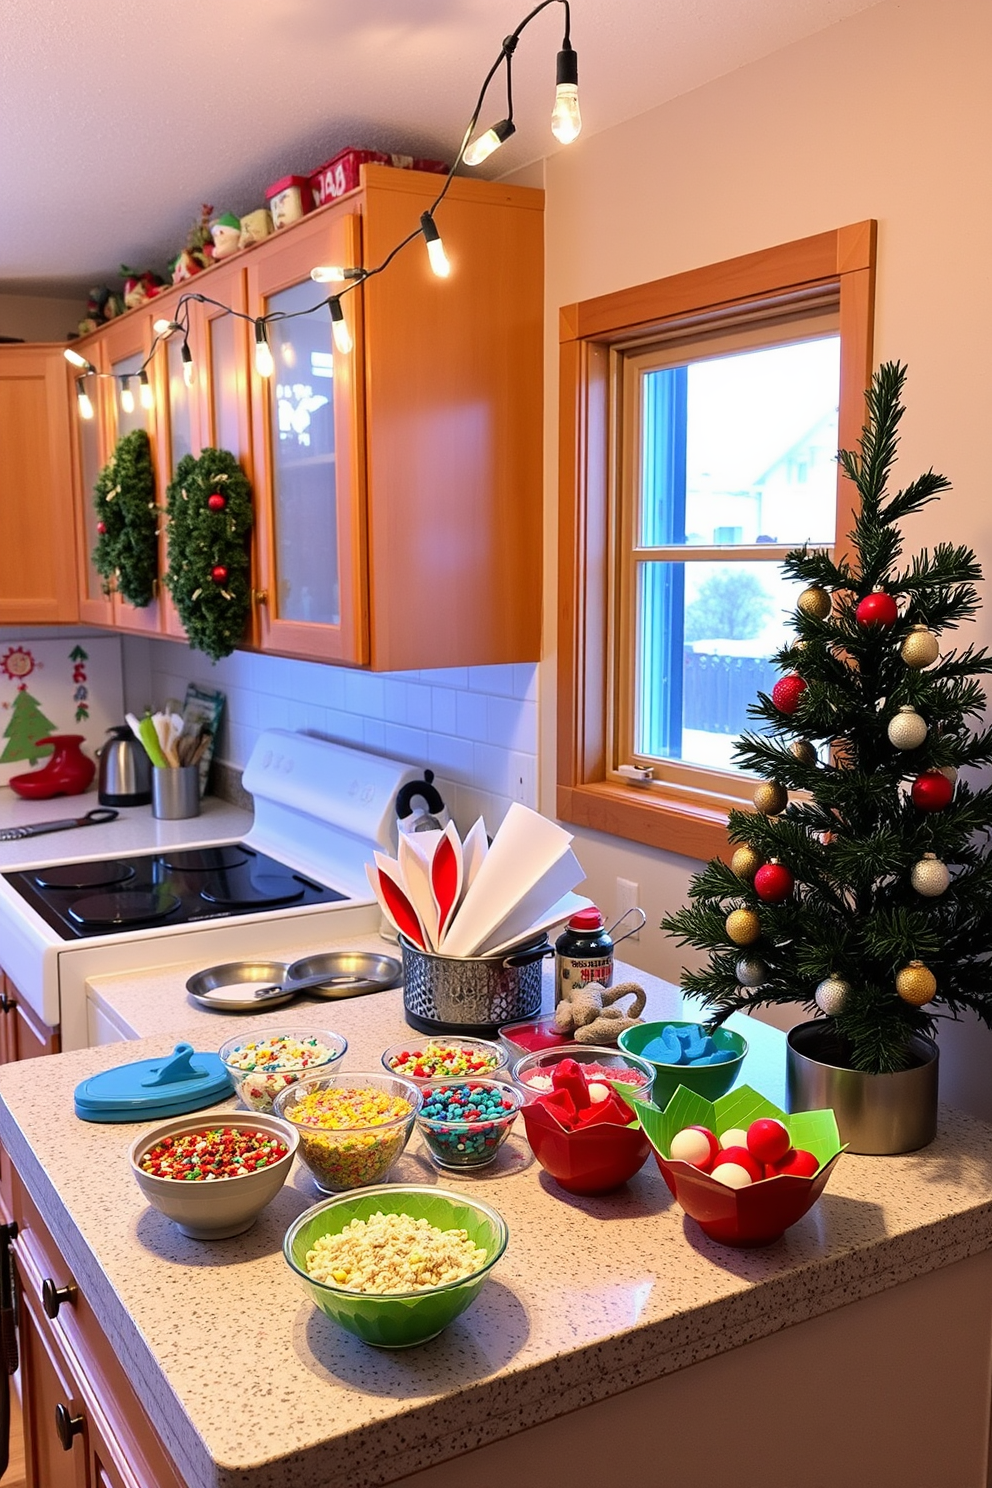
(787, 692)
(932, 791)
(101, 527)
(773, 882)
(877, 610)
(216, 502)
(219, 574)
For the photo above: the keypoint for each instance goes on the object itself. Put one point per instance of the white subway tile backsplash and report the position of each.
(418, 706)
(491, 768)
(512, 722)
(496, 680)
(472, 716)
(454, 757)
(525, 680)
(444, 710)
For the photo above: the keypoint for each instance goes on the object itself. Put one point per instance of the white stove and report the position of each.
(321, 810)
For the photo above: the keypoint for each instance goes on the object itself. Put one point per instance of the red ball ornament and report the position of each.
(877, 610)
(736, 1168)
(768, 1140)
(773, 882)
(101, 527)
(932, 791)
(219, 574)
(787, 692)
(696, 1145)
(216, 502)
(797, 1163)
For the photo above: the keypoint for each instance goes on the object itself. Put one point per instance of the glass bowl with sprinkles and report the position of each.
(213, 1174)
(264, 1063)
(352, 1127)
(427, 1060)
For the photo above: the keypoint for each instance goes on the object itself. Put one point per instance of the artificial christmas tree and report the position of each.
(889, 917)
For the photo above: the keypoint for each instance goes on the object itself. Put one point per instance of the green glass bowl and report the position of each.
(401, 1319)
(708, 1080)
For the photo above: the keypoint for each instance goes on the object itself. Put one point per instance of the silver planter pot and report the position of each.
(877, 1114)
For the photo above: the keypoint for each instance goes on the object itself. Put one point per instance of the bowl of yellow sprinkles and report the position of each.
(352, 1128)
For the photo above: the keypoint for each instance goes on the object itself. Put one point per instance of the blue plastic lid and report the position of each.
(153, 1088)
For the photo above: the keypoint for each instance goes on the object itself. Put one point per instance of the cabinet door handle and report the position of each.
(260, 596)
(53, 1296)
(67, 1426)
(7, 1003)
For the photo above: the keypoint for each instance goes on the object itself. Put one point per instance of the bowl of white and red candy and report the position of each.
(583, 1132)
(740, 1167)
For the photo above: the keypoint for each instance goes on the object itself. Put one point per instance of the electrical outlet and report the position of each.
(628, 897)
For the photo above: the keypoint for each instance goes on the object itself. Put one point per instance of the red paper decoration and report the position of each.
(877, 610)
(216, 502)
(787, 692)
(773, 883)
(219, 574)
(932, 791)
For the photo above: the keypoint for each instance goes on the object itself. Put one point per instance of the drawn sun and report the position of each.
(17, 663)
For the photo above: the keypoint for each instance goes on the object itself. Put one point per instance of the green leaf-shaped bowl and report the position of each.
(761, 1212)
(399, 1320)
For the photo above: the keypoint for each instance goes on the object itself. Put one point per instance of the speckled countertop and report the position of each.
(630, 1292)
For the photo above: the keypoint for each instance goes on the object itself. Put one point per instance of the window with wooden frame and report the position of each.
(700, 419)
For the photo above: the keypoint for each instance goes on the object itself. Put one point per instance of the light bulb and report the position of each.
(435, 248)
(483, 146)
(566, 121)
(164, 328)
(77, 360)
(264, 363)
(339, 327)
(145, 390)
(330, 274)
(127, 397)
(189, 371)
(85, 406)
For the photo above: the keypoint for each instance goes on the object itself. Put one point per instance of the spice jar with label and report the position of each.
(583, 952)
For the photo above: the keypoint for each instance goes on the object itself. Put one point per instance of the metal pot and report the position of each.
(877, 1114)
(472, 995)
(125, 770)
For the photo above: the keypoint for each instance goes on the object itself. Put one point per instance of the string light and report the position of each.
(435, 248)
(482, 147)
(127, 397)
(264, 364)
(77, 359)
(566, 121)
(189, 371)
(339, 327)
(83, 400)
(165, 328)
(145, 390)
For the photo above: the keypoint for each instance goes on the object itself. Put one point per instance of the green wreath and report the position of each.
(210, 516)
(127, 520)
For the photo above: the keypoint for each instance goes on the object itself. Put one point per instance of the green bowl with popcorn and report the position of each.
(266, 1061)
(334, 1247)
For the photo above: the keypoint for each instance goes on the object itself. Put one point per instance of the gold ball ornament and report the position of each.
(745, 863)
(815, 601)
(770, 798)
(743, 927)
(916, 984)
(803, 751)
(920, 648)
(930, 877)
(907, 730)
(831, 995)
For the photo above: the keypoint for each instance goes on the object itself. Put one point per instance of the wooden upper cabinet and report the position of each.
(37, 550)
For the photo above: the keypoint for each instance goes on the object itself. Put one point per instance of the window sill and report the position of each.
(690, 829)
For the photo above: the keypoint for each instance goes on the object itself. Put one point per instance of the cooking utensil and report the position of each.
(240, 986)
(93, 818)
(344, 973)
(125, 770)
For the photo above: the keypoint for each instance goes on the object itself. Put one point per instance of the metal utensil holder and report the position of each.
(472, 994)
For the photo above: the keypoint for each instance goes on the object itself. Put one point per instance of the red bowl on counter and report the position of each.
(590, 1161)
(755, 1215)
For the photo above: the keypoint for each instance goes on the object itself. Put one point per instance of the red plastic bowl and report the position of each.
(755, 1215)
(592, 1161)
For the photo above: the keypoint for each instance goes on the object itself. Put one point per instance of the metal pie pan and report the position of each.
(364, 971)
(227, 988)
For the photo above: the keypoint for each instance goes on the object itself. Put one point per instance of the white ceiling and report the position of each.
(117, 120)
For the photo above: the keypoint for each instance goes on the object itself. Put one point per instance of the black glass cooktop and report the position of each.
(164, 889)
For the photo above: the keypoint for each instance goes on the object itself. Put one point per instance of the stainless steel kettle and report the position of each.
(125, 770)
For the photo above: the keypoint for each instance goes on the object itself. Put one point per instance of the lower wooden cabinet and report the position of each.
(83, 1424)
(22, 1033)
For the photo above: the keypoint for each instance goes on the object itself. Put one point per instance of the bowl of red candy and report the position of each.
(740, 1167)
(534, 1074)
(583, 1132)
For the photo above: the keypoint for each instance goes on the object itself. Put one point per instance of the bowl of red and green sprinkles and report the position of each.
(426, 1061)
(264, 1063)
(213, 1177)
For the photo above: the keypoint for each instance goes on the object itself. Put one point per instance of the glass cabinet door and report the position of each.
(181, 437)
(89, 464)
(309, 443)
(125, 347)
(139, 417)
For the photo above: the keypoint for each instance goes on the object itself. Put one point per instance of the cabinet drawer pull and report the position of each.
(67, 1426)
(53, 1296)
(260, 596)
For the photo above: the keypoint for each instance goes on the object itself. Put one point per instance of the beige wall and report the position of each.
(34, 318)
(885, 115)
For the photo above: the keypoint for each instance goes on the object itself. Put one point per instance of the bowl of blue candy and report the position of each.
(464, 1123)
(704, 1060)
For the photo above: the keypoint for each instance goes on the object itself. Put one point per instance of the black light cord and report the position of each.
(356, 276)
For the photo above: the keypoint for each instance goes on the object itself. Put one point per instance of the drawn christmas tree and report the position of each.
(27, 725)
